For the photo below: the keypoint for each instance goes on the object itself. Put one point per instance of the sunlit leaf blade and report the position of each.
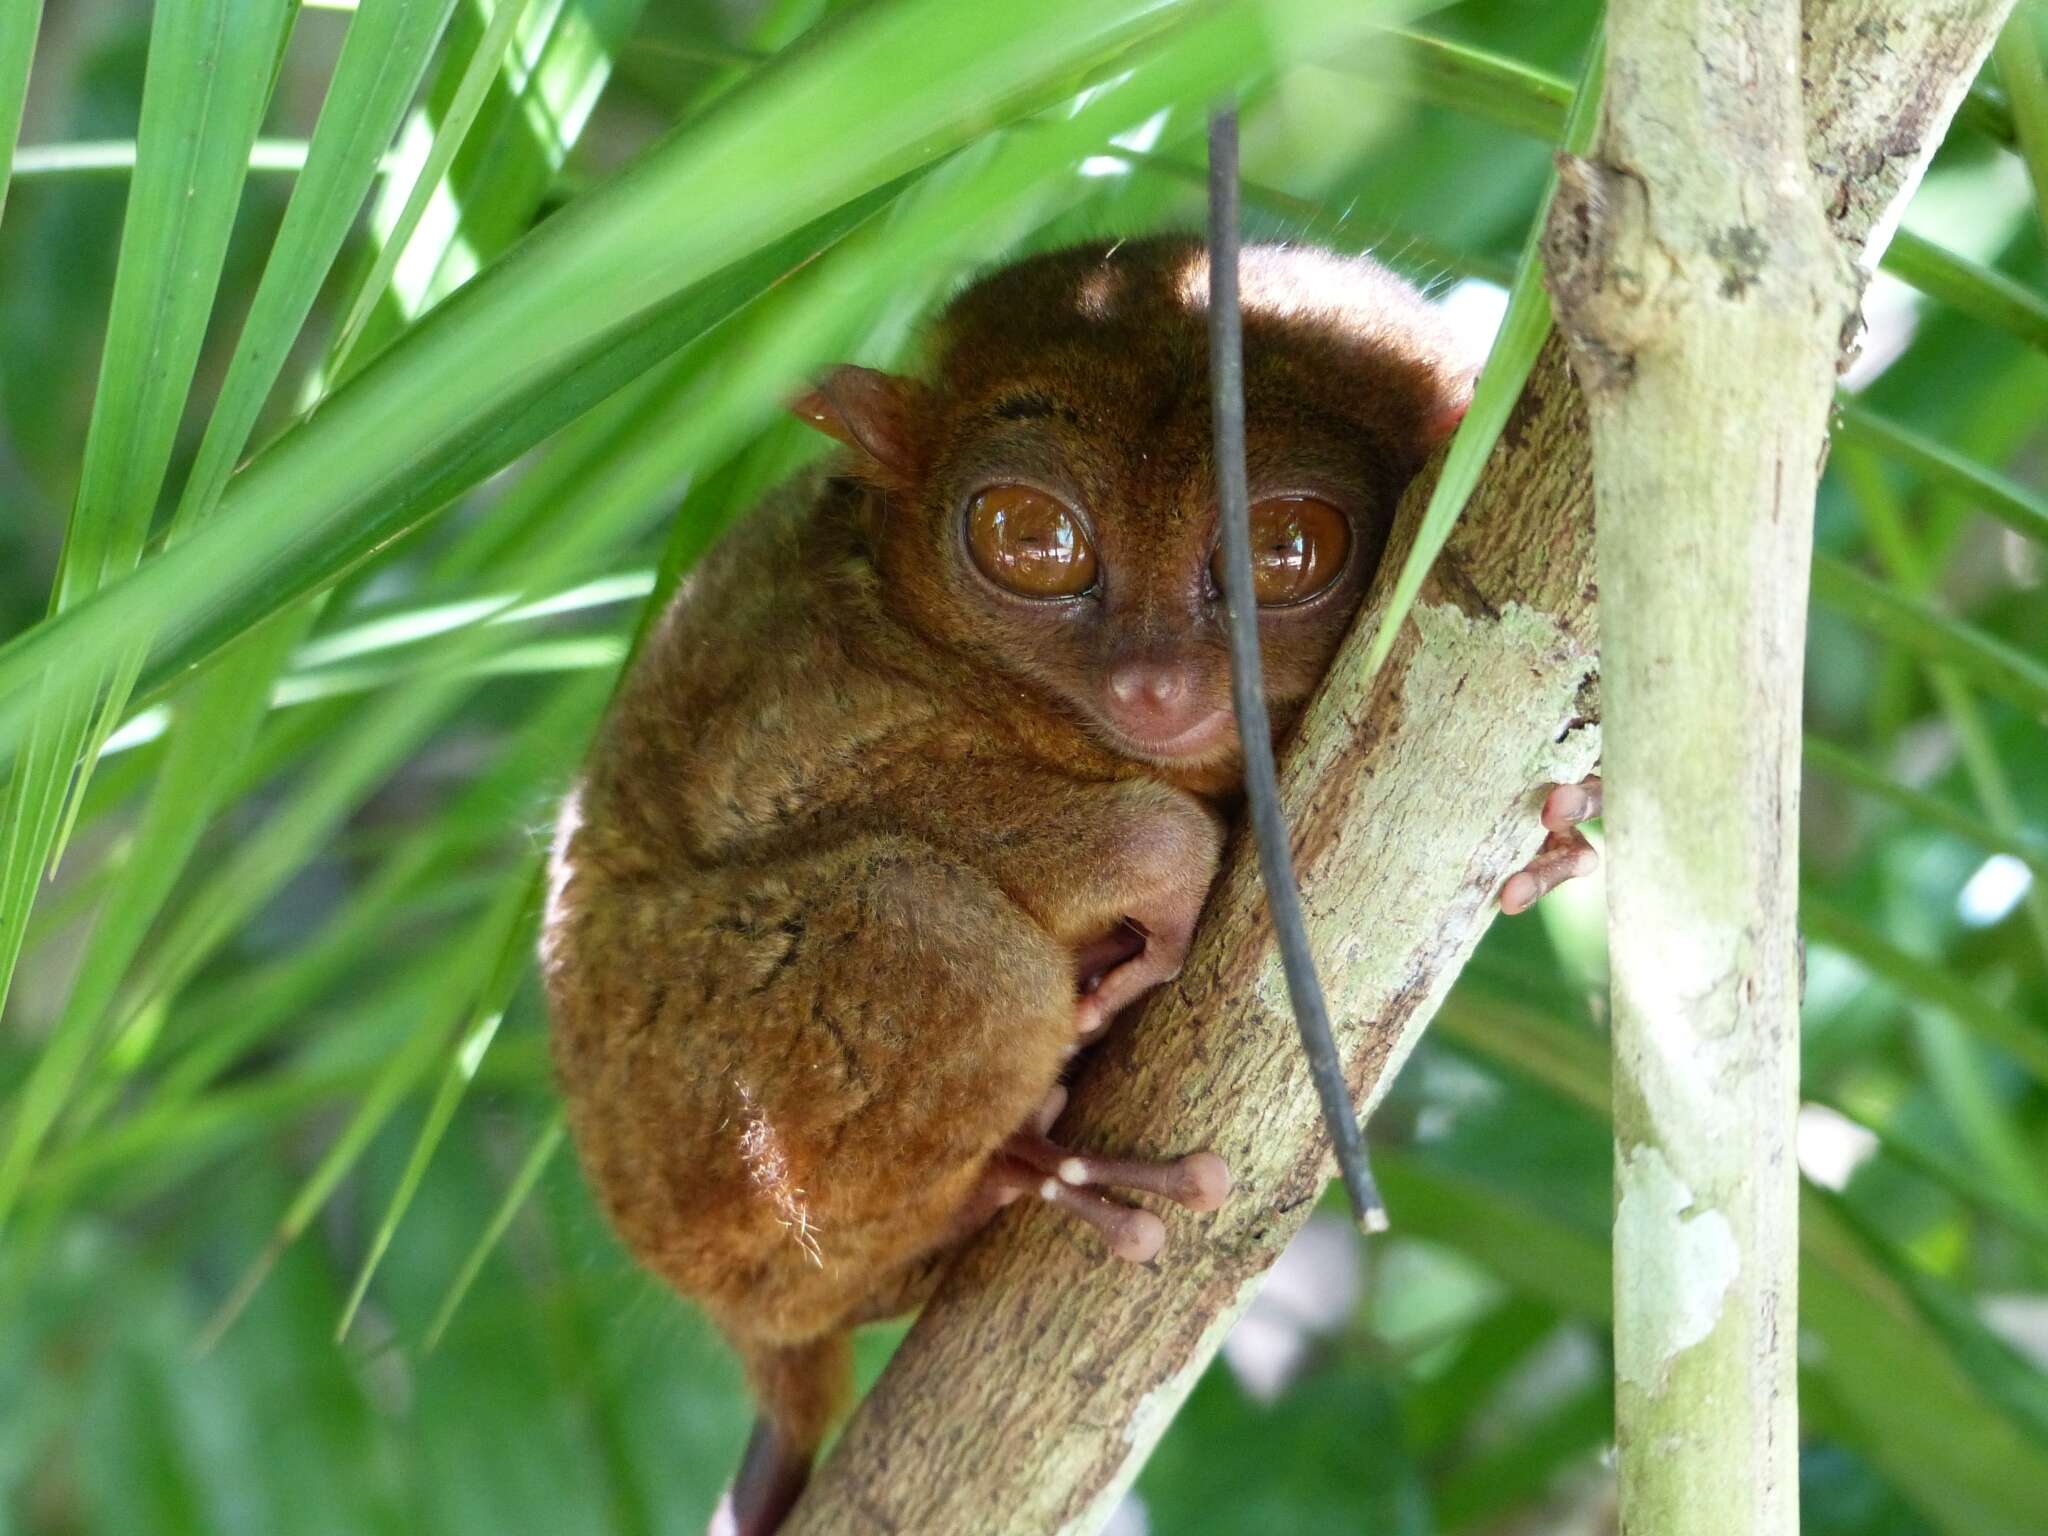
(483, 66)
(381, 64)
(511, 157)
(388, 45)
(213, 725)
(172, 591)
(210, 68)
(2021, 72)
(382, 60)
(1522, 333)
(435, 410)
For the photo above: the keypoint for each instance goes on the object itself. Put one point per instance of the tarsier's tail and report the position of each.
(801, 1389)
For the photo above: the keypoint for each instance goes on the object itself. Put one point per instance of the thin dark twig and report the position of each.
(1262, 785)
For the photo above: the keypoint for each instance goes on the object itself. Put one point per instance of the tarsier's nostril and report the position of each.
(1146, 683)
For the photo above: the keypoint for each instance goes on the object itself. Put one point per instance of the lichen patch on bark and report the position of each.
(1672, 1300)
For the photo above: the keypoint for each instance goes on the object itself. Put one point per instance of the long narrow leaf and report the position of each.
(1526, 99)
(484, 64)
(2020, 71)
(214, 728)
(516, 918)
(490, 371)
(18, 25)
(1929, 809)
(394, 1079)
(1993, 665)
(382, 61)
(2019, 507)
(1981, 292)
(1925, 982)
(538, 1156)
(388, 45)
(211, 63)
(1523, 331)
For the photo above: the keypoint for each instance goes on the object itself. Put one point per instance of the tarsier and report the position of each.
(922, 779)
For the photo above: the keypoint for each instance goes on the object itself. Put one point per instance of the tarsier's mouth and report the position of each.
(1201, 739)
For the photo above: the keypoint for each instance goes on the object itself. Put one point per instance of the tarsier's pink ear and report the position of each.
(1443, 421)
(874, 413)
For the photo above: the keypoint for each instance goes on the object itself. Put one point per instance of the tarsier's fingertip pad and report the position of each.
(1518, 893)
(1566, 806)
(1208, 1181)
(1139, 1239)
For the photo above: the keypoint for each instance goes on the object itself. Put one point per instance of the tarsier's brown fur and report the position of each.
(811, 948)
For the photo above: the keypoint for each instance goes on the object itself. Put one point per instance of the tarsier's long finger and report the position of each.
(1049, 1111)
(1562, 857)
(1565, 854)
(1200, 1180)
(1131, 1234)
(1569, 804)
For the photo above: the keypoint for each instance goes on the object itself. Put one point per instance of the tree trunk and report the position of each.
(1031, 1391)
(1705, 300)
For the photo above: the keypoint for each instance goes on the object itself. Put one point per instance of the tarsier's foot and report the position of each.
(1030, 1164)
(1565, 854)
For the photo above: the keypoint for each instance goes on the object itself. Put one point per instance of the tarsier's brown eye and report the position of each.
(1027, 542)
(1299, 546)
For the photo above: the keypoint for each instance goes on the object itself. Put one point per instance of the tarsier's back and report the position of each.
(916, 786)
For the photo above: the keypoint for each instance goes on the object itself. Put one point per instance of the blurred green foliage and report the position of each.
(273, 1007)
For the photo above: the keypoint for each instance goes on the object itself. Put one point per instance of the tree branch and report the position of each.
(1037, 1381)
(1705, 298)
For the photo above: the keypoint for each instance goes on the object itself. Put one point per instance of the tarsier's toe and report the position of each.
(1129, 1233)
(1208, 1181)
(1569, 804)
(1139, 1240)
(1565, 854)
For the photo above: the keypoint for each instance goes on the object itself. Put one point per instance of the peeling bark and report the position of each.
(1031, 1391)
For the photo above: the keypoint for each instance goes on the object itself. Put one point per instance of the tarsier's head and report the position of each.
(1048, 493)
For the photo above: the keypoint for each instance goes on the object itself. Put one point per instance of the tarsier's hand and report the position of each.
(1565, 854)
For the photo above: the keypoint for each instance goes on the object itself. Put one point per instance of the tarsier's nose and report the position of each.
(1156, 706)
(1149, 687)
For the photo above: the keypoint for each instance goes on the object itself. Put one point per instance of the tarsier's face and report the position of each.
(1052, 493)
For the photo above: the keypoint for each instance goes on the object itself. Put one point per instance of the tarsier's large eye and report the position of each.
(1027, 542)
(1299, 546)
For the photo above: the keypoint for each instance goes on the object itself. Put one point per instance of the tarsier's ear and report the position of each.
(1443, 421)
(876, 414)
